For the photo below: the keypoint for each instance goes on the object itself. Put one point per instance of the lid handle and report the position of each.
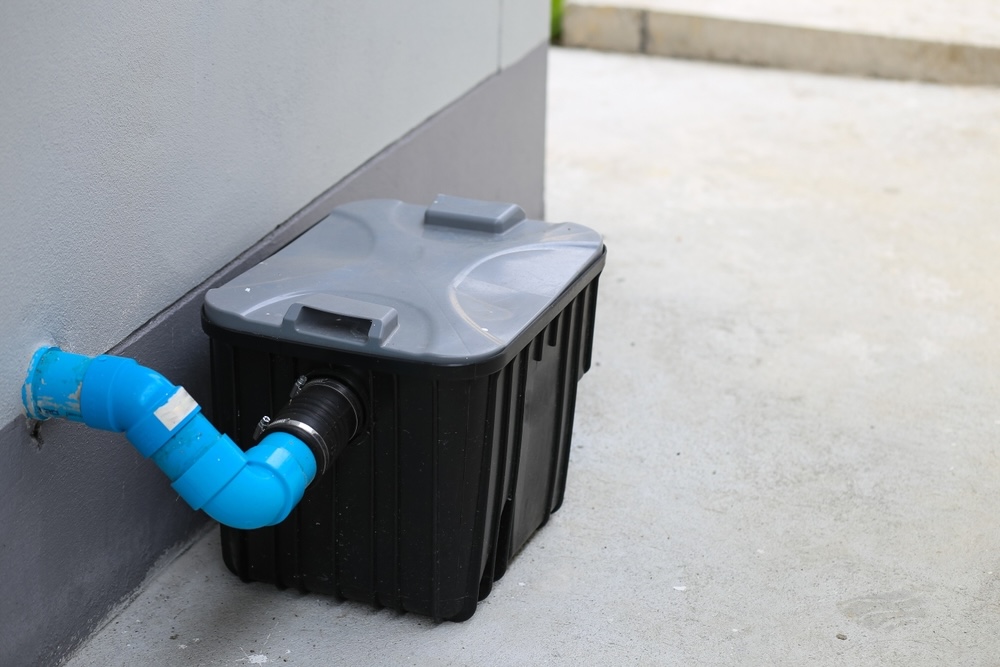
(473, 215)
(325, 317)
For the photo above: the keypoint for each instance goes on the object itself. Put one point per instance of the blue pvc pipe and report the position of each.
(239, 489)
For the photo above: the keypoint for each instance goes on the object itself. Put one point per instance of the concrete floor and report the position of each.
(788, 449)
(954, 41)
(950, 21)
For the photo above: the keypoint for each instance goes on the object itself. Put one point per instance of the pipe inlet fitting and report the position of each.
(324, 412)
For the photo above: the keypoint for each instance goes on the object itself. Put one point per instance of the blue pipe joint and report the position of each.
(120, 395)
(240, 489)
(260, 489)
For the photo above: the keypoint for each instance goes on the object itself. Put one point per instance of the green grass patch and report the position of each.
(557, 15)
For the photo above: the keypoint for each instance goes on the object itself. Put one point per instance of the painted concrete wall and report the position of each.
(142, 149)
(83, 517)
(524, 24)
(144, 146)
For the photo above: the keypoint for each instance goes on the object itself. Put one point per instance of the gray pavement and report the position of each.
(788, 449)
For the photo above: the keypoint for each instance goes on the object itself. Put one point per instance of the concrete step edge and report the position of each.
(676, 35)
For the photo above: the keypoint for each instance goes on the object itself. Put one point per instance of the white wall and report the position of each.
(142, 146)
(524, 24)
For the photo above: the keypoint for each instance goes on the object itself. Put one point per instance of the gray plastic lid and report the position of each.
(451, 284)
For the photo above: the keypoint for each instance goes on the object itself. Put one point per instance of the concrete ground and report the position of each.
(951, 42)
(955, 21)
(788, 449)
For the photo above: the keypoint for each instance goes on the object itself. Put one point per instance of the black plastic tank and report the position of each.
(459, 331)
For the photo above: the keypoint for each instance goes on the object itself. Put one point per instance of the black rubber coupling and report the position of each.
(324, 412)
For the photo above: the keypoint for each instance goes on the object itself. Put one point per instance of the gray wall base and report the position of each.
(83, 518)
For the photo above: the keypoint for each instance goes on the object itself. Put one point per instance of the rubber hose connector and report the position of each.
(325, 413)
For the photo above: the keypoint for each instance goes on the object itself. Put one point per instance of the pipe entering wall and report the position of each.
(251, 489)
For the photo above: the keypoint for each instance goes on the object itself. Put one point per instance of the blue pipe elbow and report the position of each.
(239, 489)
